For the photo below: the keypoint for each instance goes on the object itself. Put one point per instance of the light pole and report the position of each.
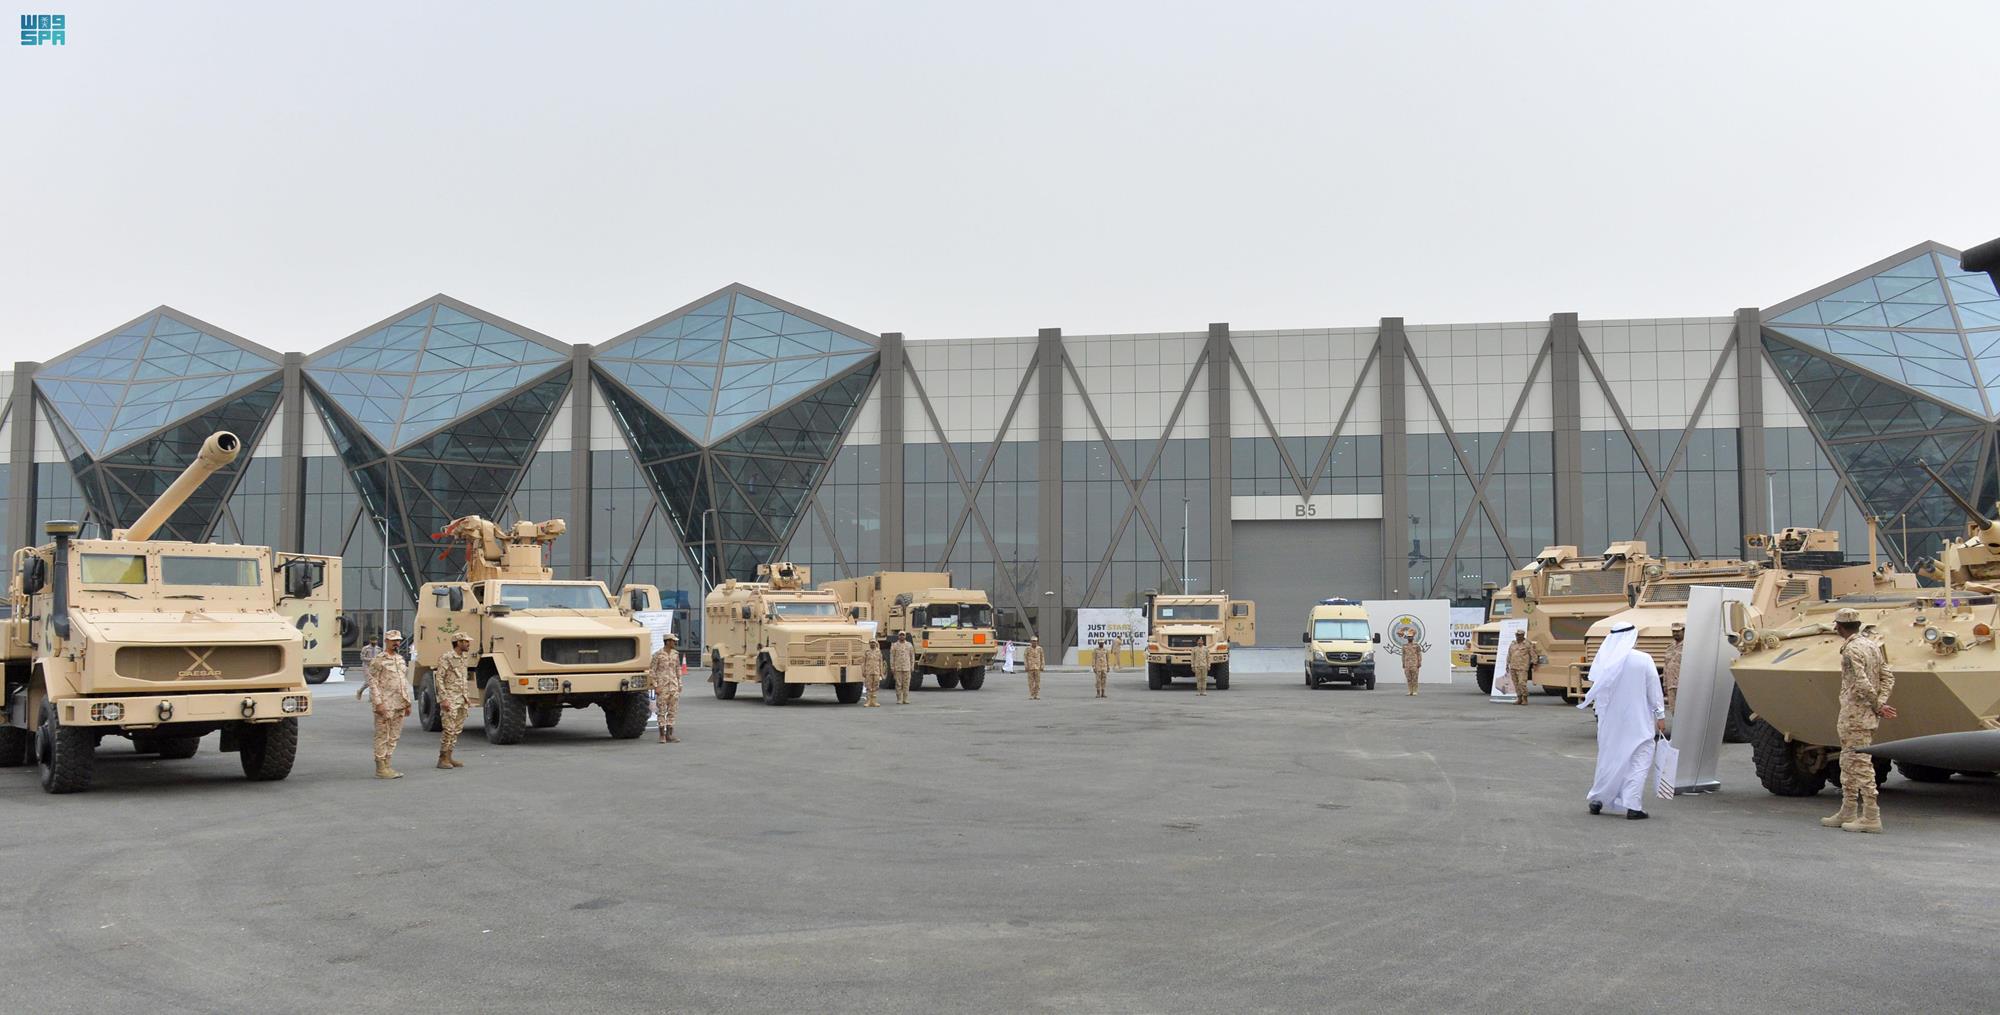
(705, 587)
(1184, 545)
(1771, 500)
(383, 522)
(610, 533)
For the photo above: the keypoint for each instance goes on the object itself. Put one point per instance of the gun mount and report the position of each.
(217, 452)
(496, 551)
(785, 575)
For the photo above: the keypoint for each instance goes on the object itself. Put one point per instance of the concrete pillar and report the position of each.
(21, 458)
(889, 391)
(1049, 389)
(292, 451)
(1391, 356)
(1221, 461)
(583, 506)
(1566, 395)
(1752, 487)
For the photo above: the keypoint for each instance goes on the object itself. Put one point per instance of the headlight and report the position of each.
(109, 711)
(294, 704)
(546, 684)
(1932, 634)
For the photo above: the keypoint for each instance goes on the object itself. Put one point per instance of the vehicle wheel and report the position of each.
(1779, 766)
(430, 718)
(1155, 676)
(1736, 725)
(947, 679)
(506, 715)
(267, 751)
(1923, 773)
(1220, 677)
(847, 694)
(1309, 679)
(772, 683)
(624, 715)
(66, 755)
(14, 746)
(1484, 674)
(795, 691)
(972, 678)
(318, 674)
(175, 748)
(1553, 692)
(916, 680)
(724, 689)
(544, 717)
(1371, 683)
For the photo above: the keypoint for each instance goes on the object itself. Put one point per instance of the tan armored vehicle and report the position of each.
(1176, 624)
(952, 629)
(543, 645)
(781, 634)
(158, 641)
(317, 616)
(1561, 594)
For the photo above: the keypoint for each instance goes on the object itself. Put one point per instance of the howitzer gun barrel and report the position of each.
(220, 449)
(1963, 504)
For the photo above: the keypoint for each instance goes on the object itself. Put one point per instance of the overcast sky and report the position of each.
(295, 172)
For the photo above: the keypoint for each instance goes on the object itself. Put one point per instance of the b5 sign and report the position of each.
(44, 29)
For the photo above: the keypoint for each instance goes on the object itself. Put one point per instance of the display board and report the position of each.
(1127, 627)
(1463, 620)
(659, 623)
(1426, 621)
(1701, 705)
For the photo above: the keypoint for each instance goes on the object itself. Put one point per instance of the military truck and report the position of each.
(1564, 597)
(158, 641)
(543, 646)
(781, 634)
(952, 629)
(1176, 624)
(317, 616)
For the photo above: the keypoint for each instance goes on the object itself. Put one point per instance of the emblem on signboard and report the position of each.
(1406, 630)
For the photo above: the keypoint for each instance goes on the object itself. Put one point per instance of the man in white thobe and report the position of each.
(1625, 691)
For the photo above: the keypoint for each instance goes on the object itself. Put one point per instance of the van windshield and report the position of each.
(1340, 630)
(1187, 611)
(554, 597)
(241, 572)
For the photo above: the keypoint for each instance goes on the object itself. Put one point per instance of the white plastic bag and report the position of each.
(1666, 761)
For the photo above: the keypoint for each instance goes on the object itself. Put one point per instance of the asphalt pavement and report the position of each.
(1267, 848)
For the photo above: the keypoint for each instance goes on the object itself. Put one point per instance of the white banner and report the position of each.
(1503, 688)
(1463, 620)
(1126, 627)
(1424, 622)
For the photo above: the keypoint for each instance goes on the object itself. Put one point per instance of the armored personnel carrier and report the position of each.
(1561, 595)
(544, 646)
(159, 641)
(782, 634)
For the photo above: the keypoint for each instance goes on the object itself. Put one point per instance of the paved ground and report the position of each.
(1265, 849)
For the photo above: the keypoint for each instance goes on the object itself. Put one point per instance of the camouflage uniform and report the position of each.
(1413, 661)
(1670, 672)
(903, 663)
(663, 678)
(389, 687)
(1865, 683)
(1520, 659)
(1199, 664)
(453, 699)
(1036, 661)
(1100, 663)
(871, 674)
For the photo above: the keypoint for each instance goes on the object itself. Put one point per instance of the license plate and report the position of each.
(1344, 671)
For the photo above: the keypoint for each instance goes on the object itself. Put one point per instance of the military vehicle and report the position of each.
(1339, 645)
(543, 646)
(1561, 594)
(781, 634)
(1940, 646)
(1176, 624)
(1486, 637)
(952, 629)
(317, 616)
(158, 641)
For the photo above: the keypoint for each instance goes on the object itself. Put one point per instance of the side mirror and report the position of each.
(456, 597)
(1376, 638)
(499, 610)
(1306, 638)
(34, 575)
(854, 613)
(638, 600)
(746, 612)
(303, 578)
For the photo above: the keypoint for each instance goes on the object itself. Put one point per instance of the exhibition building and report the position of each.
(1391, 460)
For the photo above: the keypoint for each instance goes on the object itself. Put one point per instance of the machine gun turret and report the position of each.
(785, 575)
(1976, 558)
(496, 551)
(217, 452)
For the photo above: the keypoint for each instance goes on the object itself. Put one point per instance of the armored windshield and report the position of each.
(112, 569)
(554, 597)
(1169, 612)
(949, 616)
(792, 610)
(1500, 608)
(241, 572)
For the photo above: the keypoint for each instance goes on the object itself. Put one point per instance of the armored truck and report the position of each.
(1176, 624)
(159, 641)
(781, 634)
(951, 629)
(543, 646)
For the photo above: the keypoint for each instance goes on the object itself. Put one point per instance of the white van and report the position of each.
(1339, 646)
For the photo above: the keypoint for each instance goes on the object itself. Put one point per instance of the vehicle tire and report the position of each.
(1923, 773)
(66, 755)
(175, 748)
(318, 674)
(1484, 674)
(772, 683)
(916, 680)
(267, 751)
(1155, 676)
(430, 718)
(1309, 678)
(847, 694)
(544, 717)
(625, 715)
(15, 744)
(888, 679)
(724, 689)
(1736, 724)
(972, 678)
(1553, 692)
(1371, 681)
(506, 714)
(947, 679)
(795, 691)
(1778, 764)
(1220, 677)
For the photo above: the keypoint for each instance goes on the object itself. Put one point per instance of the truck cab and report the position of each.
(1339, 645)
(1175, 624)
(951, 629)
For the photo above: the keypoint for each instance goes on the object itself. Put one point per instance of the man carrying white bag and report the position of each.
(1631, 714)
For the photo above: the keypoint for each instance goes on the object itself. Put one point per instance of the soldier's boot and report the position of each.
(383, 771)
(1870, 819)
(1847, 812)
(444, 760)
(663, 734)
(668, 737)
(452, 756)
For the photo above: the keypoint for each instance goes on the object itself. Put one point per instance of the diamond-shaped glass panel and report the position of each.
(121, 487)
(152, 373)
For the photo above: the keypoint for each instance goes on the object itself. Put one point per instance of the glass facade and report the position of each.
(1521, 493)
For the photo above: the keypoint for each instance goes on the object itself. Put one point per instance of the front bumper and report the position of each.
(953, 658)
(1341, 671)
(1185, 659)
(152, 711)
(825, 673)
(558, 684)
